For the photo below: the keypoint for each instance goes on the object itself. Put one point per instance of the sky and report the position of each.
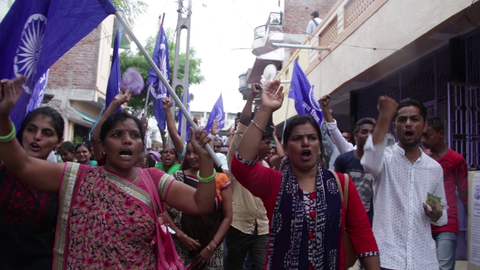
(222, 35)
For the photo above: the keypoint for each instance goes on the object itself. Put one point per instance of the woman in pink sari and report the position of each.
(106, 217)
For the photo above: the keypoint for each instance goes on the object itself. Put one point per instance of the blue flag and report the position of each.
(154, 86)
(38, 93)
(30, 45)
(113, 86)
(160, 58)
(216, 114)
(159, 113)
(302, 92)
(179, 116)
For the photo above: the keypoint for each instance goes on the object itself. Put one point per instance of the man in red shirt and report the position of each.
(455, 177)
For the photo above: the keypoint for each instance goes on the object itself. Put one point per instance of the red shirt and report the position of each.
(455, 176)
(265, 183)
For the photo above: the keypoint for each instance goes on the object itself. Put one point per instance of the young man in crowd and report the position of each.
(455, 177)
(249, 230)
(404, 176)
(349, 163)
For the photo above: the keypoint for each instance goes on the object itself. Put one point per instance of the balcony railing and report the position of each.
(275, 18)
(260, 31)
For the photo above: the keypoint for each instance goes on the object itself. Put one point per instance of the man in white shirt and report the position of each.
(404, 175)
(313, 23)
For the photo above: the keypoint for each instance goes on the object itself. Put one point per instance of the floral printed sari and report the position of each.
(105, 221)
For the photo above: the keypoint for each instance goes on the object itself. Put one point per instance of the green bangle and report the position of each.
(9, 137)
(206, 179)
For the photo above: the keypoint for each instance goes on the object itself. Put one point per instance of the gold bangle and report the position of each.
(208, 247)
(253, 122)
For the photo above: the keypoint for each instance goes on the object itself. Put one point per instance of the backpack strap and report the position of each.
(344, 190)
(315, 22)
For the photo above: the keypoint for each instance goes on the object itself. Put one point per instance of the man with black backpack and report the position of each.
(313, 23)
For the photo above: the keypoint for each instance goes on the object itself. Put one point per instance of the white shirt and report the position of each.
(223, 160)
(337, 138)
(400, 225)
(311, 25)
(52, 157)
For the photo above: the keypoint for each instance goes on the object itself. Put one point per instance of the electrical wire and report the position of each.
(472, 22)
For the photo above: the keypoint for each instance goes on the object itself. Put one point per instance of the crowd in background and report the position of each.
(296, 205)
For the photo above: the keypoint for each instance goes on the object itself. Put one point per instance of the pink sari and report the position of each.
(105, 221)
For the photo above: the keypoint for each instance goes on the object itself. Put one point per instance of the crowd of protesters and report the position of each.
(270, 205)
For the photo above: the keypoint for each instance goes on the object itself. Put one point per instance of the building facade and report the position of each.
(425, 50)
(78, 80)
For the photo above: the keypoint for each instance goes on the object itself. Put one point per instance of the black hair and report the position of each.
(120, 117)
(412, 102)
(68, 146)
(84, 145)
(436, 123)
(58, 123)
(300, 120)
(151, 162)
(361, 122)
(186, 165)
(315, 14)
(174, 150)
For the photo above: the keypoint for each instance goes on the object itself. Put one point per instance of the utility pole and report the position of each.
(182, 23)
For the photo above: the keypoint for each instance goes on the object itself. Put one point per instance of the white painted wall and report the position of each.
(395, 25)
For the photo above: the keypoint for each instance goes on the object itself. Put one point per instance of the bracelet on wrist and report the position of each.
(261, 129)
(10, 136)
(206, 179)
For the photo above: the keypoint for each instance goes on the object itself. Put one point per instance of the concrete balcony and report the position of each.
(265, 35)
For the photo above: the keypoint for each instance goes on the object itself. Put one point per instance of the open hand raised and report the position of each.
(272, 97)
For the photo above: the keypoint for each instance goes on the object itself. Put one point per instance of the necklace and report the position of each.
(136, 178)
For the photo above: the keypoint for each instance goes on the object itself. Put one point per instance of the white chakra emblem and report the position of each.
(313, 101)
(29, 49)
(219, 116)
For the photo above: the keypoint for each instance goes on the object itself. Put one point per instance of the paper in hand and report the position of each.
(435, 201)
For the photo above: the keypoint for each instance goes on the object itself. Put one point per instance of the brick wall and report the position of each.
(297, 13)
(77, 68)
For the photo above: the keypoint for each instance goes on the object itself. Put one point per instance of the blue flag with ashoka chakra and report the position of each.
(160, 57)
(35, 34)
(216, 114)
(302, 92)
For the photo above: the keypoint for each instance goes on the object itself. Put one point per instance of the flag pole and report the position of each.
(165, 83)
(285, 122)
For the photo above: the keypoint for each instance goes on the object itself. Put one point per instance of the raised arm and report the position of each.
(247, 109)
(276, 160)
(172, 129)
(272, 99)
(35, 172)
(337, 138)
(201, 200)
(372, 159)
(117, 102)
(242, 125)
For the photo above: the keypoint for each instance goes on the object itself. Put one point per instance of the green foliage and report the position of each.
(131, 8)
(138, 61)
(77, 140)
